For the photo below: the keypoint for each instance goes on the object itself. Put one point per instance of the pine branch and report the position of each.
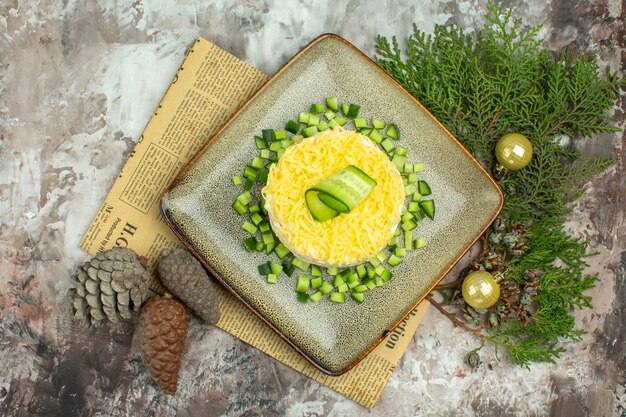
(497, 81)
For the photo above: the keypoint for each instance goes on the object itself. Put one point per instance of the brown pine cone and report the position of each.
(185, 277)
(109, 285)
(162, 331)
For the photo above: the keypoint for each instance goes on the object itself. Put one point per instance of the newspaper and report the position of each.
(207, 88)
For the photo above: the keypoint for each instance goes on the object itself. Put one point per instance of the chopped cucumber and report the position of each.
(265, 154)
(333, 124)
(250, 244)
(317, 108)
(304, 117)
(264, 269)
(376, 136)
(330, 115)
(342, 288)
(236, 180)
(394, 260)
(260, 142)
(300, 264)
(269, 135)
(353, 111)
(423, 187)
(302, 297)
(292, 126)
(250, 172)
(360, 288)
(275, 267)
(315, 297)
(322, 126)
(398, 161)
(280, 134)
(269, 248)
(344, 109)
(249, 227)
(288, 267)
(340, 120)
(309, 131)
(256, 218)
(366, 131)
(386, 275)
(338, 297)
(317, 282)
(326, 287)
(281, 251)
(271, 278)
(387, 145)
(408, 239)
(408, 225)
(239, 207)
(267, 238)
(332, 270)
(263, 176)
(399, 252)
(302, 285)
(314, 120)
(378, 124)
(401, 151)
(264, 226)
(413, 207)
(257, 162)
(418, 167)
(393, 132)
(419, 243)
(316, 271)
(360, 270)
(259, 247)
(360, 123)
(429, 208)
(357, 296)
(338, 281)
(248, 184)
(332, 103)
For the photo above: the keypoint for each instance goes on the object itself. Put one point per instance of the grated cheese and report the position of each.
(350, 238)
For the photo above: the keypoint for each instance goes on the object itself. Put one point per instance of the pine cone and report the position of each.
(185, 277)
(108, 285)
(162, 331)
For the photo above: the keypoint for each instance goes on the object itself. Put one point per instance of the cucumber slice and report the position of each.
(344, 109)
(302, 297)
(317, 282)
(332, 103)
(333, 203)
(303, 117)
(319, 210)
(348, 187)
(393, 132)
(429, 208)
(423, 187)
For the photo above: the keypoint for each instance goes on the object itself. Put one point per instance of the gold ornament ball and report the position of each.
(480, 289)
(514, 151)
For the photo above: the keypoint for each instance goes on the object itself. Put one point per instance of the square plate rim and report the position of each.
(321, 38)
